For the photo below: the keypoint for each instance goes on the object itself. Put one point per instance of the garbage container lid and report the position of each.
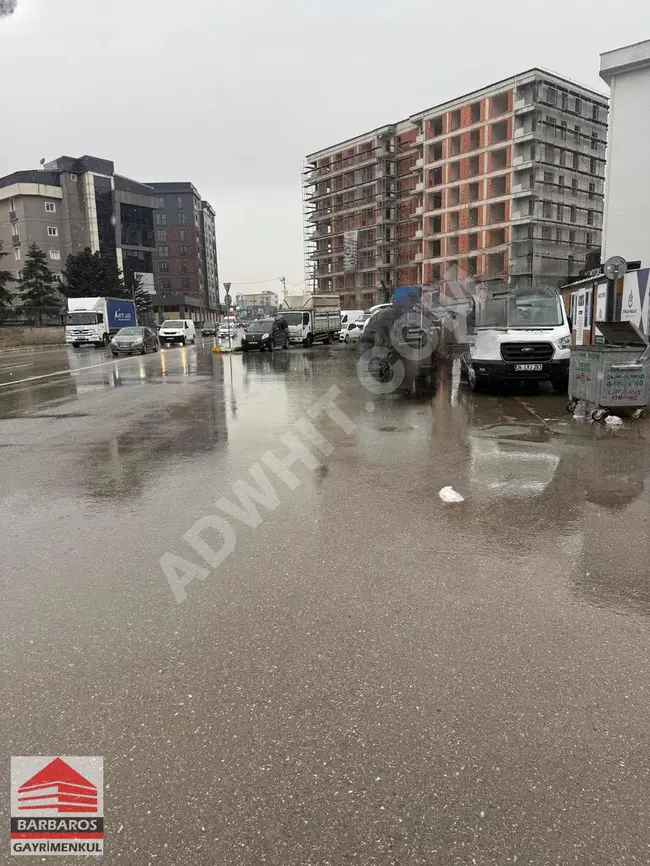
(622, 333)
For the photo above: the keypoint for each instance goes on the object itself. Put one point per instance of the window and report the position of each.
(593, 166)
(55, 255)
(590, 218)
(560, 181)
(589, 239)
(52, 232)
(560, 213)
(574, 186)
(165, 283)
(550, 153)
(551, 95)
(563, 128)
(578, 106)
(161, 234)
(185, 282)
(181, 234)
(183, 249)
(549, 177)
(179, 201)
(562, 157)
(17, 253)
(183, 267)
(576, 161)
(592, 190)
(73, 178)
(57, 278)
(50, 207)
(594, 140)
(572, 237)
(577, 135)
(163, 267)
(558, 235)
(546, 209)
(595, 112)
(163, 250)
(161, 219)
(181, 219)
(546, 233)
(574, 213)
(565, 102)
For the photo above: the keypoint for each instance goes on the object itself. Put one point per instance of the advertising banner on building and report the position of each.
(350, 245)
(636, 299)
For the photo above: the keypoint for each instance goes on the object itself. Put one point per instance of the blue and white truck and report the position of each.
(96, 320)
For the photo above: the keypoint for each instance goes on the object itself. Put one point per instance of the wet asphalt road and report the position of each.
(372, 676)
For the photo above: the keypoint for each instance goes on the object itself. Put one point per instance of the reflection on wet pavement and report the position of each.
(373, 675)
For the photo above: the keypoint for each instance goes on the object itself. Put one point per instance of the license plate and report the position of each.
(529, 368)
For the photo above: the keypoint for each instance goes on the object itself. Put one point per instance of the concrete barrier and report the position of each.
(17, 335)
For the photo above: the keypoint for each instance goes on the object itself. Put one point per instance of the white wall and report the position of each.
(626, 230)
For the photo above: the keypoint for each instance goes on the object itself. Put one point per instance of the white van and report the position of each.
(348, 316)
(177, 331)
(522, 333)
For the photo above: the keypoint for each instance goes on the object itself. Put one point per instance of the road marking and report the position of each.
(63, 372)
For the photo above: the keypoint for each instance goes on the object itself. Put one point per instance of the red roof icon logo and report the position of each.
(58, 788)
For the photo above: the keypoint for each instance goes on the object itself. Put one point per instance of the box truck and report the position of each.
(96, 320)
(311, 318)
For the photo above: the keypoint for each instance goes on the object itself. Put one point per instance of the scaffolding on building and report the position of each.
(309, 229)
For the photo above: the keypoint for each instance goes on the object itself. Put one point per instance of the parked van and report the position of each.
(348, 316)
(177, 331)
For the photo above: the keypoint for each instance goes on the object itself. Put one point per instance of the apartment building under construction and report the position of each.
(505, 182)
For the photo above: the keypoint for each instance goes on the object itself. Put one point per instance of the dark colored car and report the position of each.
(209, 329)
(266, 334)
(137, 339)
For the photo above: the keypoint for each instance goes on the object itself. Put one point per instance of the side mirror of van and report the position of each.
(570, 321)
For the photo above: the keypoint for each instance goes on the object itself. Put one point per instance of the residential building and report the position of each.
(185, 257)
(505, 182)
(73, 203)
(261, 304)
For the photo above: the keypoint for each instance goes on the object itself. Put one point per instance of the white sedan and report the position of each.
(349, 333)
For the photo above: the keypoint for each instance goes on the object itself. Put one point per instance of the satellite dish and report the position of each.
(615, 268)
(42, 161)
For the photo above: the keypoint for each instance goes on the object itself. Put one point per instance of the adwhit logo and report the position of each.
(57, 788)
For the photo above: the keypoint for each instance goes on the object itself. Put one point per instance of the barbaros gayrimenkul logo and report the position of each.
(57, 805)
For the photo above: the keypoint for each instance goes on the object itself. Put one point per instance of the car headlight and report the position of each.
(265, 336)
(113, 341)
(137, 342)
(564, 342)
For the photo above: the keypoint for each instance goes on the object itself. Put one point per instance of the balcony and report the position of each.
(419, 187)
(418, 234)
(418, 165)
(419, 210)
(417, 257)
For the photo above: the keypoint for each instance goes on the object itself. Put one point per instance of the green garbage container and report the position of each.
(611, 376)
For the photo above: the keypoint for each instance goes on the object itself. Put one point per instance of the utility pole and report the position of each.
(283, 280)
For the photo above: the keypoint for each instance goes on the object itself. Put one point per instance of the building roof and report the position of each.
(532, 73)
(624, 59)
(34, 175)
(174, 186)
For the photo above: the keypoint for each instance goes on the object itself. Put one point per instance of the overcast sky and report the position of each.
(232, 94)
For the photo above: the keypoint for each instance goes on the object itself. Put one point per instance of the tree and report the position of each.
(142, 298)
(6, 296)
(37, 292)
(88, 275)
(7, 7)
